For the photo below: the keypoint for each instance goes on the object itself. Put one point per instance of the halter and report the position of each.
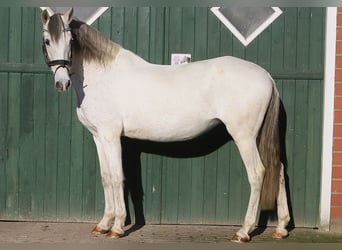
(61, 63)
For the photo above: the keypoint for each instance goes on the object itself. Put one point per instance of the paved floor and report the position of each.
(41, 232)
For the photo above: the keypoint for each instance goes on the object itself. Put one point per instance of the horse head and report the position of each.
(56, 46)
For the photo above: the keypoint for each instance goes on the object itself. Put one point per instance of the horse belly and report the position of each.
(167, 130)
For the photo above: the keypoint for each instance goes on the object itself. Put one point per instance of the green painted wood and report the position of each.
(4, 33)
(49, 168)
(12, 181)
(89, 174)
(13, 127)
(51, 153)
(23, 68)
(26, 132)
(3, 141)
(39, 130)
(313, 146)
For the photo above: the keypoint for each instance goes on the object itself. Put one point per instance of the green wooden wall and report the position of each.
(48, 163)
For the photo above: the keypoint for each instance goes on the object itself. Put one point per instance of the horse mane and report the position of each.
(91, 44)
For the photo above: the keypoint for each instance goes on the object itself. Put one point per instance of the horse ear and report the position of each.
(68, 15)
(45, 16)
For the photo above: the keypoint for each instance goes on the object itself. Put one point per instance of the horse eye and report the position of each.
(47, 42)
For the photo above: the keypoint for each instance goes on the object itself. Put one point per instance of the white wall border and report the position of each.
(328, 118)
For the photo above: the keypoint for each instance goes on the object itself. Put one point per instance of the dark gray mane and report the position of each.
(89, 43)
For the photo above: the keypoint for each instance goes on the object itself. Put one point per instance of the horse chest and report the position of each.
(88, 123)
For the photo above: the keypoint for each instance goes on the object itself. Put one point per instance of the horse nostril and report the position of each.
(59, 85)
(63, 87)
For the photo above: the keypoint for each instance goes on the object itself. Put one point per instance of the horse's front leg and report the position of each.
(106, 222)
(112, 179)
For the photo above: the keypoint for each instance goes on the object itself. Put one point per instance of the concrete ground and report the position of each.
(43, 232)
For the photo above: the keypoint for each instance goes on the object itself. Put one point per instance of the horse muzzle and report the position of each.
(62, 78)
(63, 85)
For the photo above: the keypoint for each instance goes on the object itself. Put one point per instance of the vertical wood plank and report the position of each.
(3, 142)
(237, 189)
(175, 31)
(157, 35)
(13, 129)
(170, 190)
(12, 170)
(39, 118)
(197, 190)
(4, 40)
(152, 164)
(88, 172)
(76, 169)
(118, 25)
(201, 41)
(290, 35)
(26, 161)
(63, 156)
(264, 51)
(303, 46)
(222, 186)
(130, 29)
(277, 44)
(51, 152)
(188, 29)
(143, 32)
(4, 33)
(213, 37)
(184, 196)
(210, 191)
(300, 146)
(226, 42)
(316, 36)
(314, 144)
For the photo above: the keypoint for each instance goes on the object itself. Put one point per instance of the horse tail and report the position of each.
(269, 150)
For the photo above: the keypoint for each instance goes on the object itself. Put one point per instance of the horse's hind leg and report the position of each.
(283, 210)
(255, 172)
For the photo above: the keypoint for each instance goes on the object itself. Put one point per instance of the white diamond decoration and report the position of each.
(246, 23)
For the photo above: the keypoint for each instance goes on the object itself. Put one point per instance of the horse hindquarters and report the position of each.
(262, 162)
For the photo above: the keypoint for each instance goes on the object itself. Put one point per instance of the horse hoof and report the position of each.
(98, 231)
(279, 235)
(238, 239)
(114, 235)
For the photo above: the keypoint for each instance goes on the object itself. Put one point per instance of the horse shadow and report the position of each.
(131, 153)
(199, 146)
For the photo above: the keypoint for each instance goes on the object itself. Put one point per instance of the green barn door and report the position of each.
(48, 163)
